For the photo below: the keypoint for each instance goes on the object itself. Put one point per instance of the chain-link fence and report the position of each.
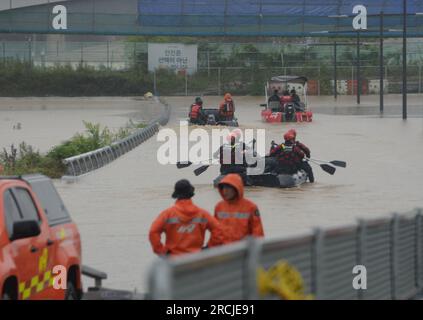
(236, 67)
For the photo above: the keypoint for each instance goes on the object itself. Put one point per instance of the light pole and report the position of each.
(381, 66)
(404, 61)
(358, 70)
(335, 73)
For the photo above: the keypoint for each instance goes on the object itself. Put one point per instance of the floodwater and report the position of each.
(45, 122)
(115, 205)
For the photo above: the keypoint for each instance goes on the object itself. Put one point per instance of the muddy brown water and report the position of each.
(115, 205)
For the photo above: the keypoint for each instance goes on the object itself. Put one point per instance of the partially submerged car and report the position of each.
(286, 108)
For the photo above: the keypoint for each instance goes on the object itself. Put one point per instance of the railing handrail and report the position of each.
(318, 258)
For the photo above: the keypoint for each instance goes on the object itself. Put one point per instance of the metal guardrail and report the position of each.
(93, 160)
(391, 249)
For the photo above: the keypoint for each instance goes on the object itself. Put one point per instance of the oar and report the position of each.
(325, 167)
(181, 165)
(201, 169)
(204, 168)
(337, 163)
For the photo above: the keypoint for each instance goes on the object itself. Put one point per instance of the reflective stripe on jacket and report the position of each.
(240, 217)
(184, 225)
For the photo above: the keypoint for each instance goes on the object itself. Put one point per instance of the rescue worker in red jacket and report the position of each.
(184, 225)
(304, 165)
(238, 216)
(196, 114)
(227, 108)
(289, 156)
(285, 98)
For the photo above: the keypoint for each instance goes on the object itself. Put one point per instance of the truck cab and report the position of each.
(38, 241)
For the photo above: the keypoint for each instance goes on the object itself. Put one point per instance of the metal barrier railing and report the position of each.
(96, 159)
(390, 249)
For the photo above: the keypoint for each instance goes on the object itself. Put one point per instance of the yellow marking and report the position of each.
(34, 281)
(39, 283)
(47, 275)
(26, 293)
(40, 287)
(21, 287)
(62, 234)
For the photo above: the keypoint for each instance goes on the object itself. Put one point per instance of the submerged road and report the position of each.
(115, 205)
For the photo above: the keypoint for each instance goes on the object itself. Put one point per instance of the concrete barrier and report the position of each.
(95, 159)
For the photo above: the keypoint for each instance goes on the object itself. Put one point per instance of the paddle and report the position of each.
(337, 163)
(325, 167)
(181, 165)
(204, 168)
(201, 169)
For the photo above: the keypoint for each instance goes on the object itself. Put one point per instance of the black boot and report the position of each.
(309, 170)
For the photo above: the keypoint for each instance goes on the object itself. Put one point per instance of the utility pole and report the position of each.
(381, 65)
(404, 62)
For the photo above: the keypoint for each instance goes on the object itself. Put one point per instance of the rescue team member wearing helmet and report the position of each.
(289, 156)
(274, 101)
(238, 216)
(274, 97)
(304, 165)
(296, 100)
(286, 97)
(232, 157)
(295, 97)
(196, 114)
(184, 225)
(227, 108)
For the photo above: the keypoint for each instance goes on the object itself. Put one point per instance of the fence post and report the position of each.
(394, 254)
(82, 53)
(218, 81)
(208, 63)
(154, 82)
(160, 281)
(108, 54)
(420, 79)
(316, 262)
(361, 249)
(253, 261)
(4, 52)
(419, 249)
(29, 51)
(186, 83)
(318, 82)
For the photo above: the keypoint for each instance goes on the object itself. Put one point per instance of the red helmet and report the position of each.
(228, 97)
(289, 136)
(236, 134)
(293, 131)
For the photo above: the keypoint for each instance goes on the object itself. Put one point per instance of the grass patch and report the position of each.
(24, 159)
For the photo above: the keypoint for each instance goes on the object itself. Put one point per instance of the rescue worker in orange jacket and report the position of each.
(184, 225)
(196, 114)
(227, 108)
(238, 216)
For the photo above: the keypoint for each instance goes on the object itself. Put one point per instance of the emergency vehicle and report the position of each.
(36, 235)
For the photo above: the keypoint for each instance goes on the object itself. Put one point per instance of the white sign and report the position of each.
(175, 56)
(60, 20)
(360, 20)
